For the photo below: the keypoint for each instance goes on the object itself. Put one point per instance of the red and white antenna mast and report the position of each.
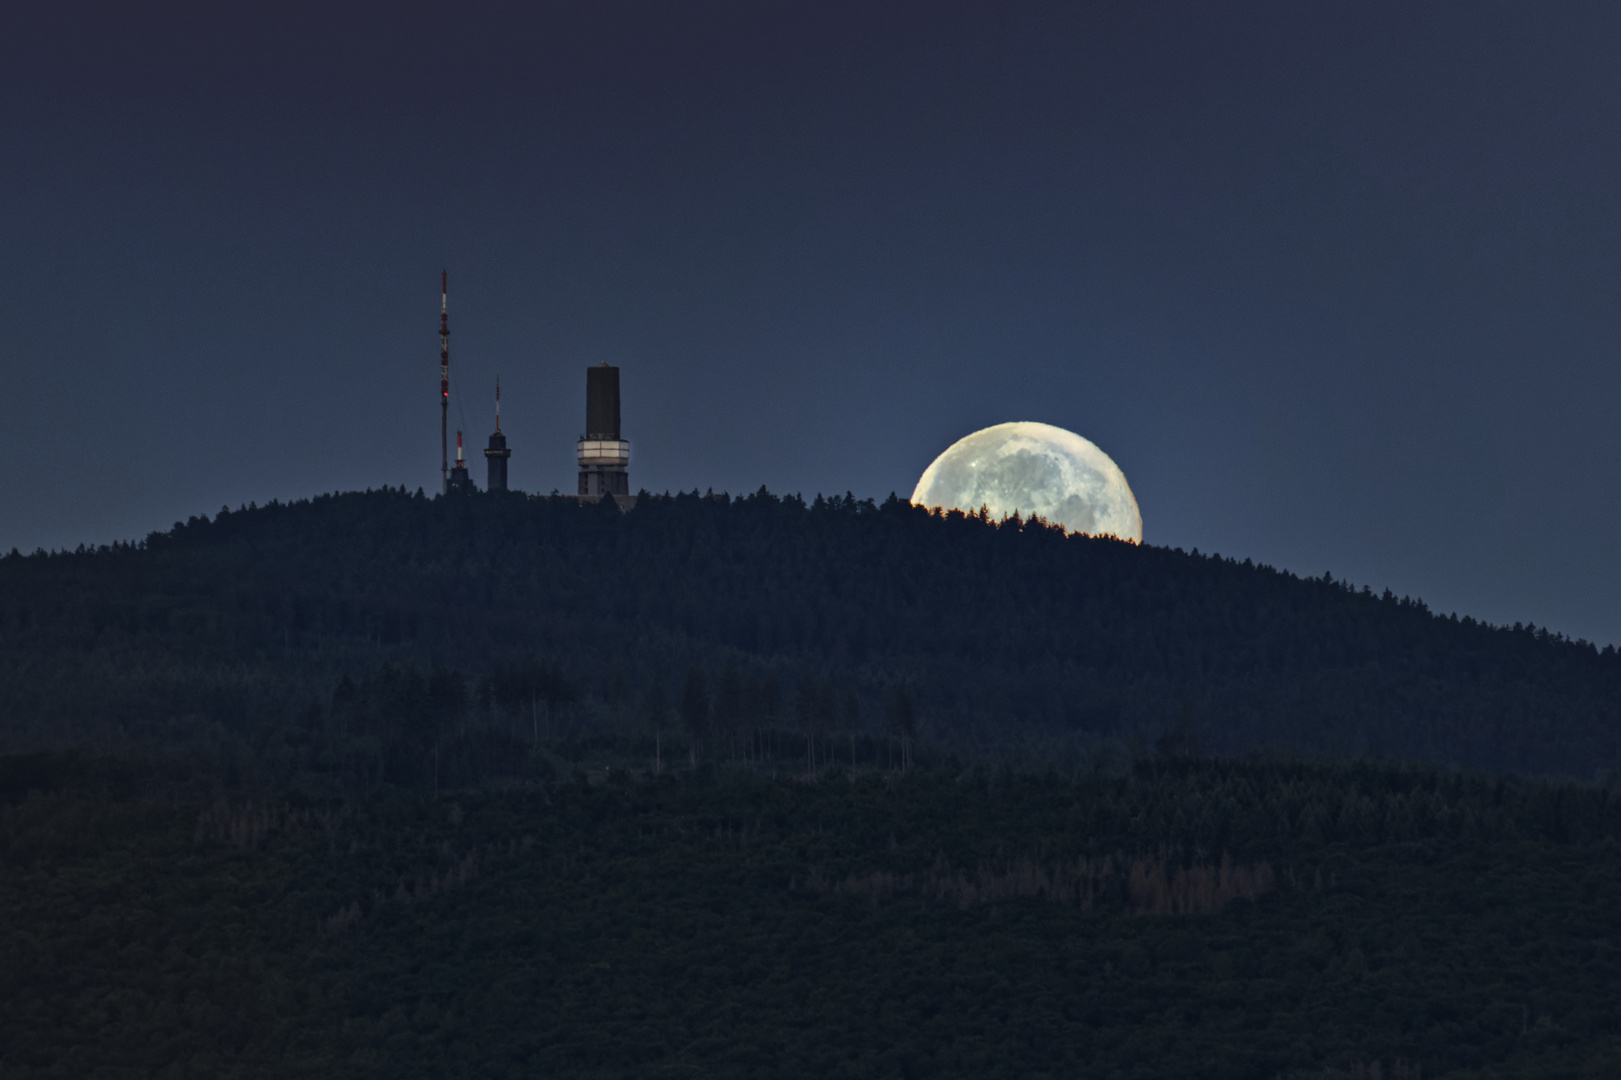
(444, 382)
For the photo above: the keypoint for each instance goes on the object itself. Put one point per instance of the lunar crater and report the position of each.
(1034, 469)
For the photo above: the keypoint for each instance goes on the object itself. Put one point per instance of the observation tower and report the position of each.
(604, 457)
(496, 454)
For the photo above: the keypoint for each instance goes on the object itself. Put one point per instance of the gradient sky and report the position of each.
(1337, 285)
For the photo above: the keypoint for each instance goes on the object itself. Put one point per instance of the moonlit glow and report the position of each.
(1032, 468)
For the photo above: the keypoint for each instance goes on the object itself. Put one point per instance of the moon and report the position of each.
(1034, 469)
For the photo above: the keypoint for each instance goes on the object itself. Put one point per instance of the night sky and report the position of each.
(1338, 286)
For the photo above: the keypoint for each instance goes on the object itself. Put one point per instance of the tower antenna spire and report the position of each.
(444, 379)
(498, 403)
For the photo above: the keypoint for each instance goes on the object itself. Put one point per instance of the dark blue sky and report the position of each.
(1336, 285)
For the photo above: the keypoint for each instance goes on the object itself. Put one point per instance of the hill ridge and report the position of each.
(1003, 633)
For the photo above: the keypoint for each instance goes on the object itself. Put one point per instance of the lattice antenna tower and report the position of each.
(444, 380)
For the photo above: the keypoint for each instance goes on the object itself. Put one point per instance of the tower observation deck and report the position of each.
(604, 457)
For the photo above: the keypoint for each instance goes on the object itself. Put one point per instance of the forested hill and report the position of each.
(261, 626)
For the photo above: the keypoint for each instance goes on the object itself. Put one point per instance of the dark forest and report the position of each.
(292, 637)
(377, 784)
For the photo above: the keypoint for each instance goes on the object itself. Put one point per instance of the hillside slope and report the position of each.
(781, 614)
(1188, 920)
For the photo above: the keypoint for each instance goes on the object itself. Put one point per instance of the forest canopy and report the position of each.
(365, 625)
(377, 784)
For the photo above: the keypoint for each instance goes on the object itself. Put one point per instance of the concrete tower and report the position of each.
(496, 453)
(603, 455)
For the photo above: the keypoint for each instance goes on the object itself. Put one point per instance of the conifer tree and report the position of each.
(729, 714)
(902, 715)
(695, 710)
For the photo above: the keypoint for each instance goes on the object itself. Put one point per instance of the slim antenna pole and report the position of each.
(444, 379)
(498, 403)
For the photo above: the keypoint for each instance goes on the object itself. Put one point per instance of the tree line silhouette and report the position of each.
(383, 636)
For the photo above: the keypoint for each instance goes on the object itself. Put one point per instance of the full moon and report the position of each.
(1034, 469)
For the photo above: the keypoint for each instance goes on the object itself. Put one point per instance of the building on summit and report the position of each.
(459, 483)
(603, 456)
(496, 453)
